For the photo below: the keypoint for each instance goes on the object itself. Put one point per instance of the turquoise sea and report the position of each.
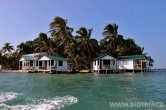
(22, 91)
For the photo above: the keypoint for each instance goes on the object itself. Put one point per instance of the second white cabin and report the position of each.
(104, 63)
(52, 64)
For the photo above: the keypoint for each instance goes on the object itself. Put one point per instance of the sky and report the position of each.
(142, 20)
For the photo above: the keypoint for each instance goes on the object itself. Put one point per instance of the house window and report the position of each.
(52, 62)
(21, 63)
(98, 62)
(138, 62)
(60, 63)
(40, 63)
(31, 63)
(95, 62)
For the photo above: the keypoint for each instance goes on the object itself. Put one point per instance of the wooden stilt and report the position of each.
(50, 66)
(19, 65)
(141, 66)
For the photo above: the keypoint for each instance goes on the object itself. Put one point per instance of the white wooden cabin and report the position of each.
(133, 63)
(29, 62)
(104, 63)
(52, 63)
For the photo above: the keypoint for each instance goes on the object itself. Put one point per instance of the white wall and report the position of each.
(96, 67)
(113, 66)
(44, 58)
(125, 64)
(36, 67)
(22, 59)
(63, 67)
(147, 65)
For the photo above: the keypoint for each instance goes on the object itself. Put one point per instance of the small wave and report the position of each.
(6, 96)
(53, 104)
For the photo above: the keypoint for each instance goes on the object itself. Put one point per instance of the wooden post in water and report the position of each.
(19, 65)
(133, 66)
(38, 66)
(50, 66)
(141, 66)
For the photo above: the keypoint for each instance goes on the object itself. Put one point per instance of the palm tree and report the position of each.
(43, 44)
(132, 48)
(109, 43)
(25, 48)
(7, 49)
(87, 46)
(121, 48)
(62, 39)
(110, 31)
(61, 35)
(6, 56)
(0, 53)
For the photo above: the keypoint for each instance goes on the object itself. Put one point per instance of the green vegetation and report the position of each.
(79, 49)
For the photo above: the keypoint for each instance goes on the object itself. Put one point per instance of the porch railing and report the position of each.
(47, 68)
(108, 67)
(27, 67)
(137, 66)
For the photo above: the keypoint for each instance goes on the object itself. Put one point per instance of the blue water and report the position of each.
(22, 91)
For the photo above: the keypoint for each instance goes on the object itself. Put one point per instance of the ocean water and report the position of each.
(22, 91)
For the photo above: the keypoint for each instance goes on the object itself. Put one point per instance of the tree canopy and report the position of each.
(79, 49)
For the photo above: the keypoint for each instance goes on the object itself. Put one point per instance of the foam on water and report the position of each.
(51, 104)
(6, 96)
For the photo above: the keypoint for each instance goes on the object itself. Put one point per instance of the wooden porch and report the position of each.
(47, 66)
(140, 65)
(106, 66)
(29, 66)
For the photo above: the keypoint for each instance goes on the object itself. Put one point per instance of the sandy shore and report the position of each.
(13, 71)
(26, 71)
